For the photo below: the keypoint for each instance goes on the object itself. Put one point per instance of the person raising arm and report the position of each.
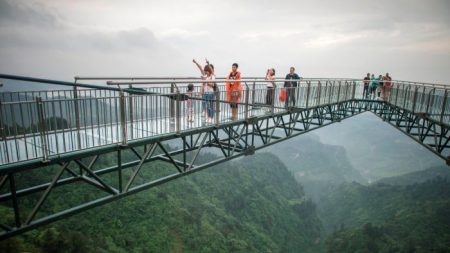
(207, 90)
(199, 67)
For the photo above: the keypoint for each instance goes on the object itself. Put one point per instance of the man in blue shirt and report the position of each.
(366, 86)
(290, 87)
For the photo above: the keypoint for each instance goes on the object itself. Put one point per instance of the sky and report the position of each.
(60, 39)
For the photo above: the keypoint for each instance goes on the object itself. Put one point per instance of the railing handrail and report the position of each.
(198, 80)
(194, 78)
(249, 78)
(55, 82)
(69, 84)
(82, 98)
(169, 80)
(185, 81)
(446, 86)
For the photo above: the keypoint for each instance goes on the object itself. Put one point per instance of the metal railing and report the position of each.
(432, 101)
(44, 124)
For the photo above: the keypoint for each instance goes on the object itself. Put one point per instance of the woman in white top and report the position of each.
(270, 75)
(208, 89)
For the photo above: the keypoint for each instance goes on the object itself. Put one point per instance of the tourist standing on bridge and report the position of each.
(387, 87)
(270, 95)
(373, 86)
(380, 90)
(366, 86)
(383, 87)
(234, 90)
(290, 87)
(208, 89)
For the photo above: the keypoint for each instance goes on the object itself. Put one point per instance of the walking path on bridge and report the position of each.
(65, 121)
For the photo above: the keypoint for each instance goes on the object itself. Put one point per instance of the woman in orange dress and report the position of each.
(234, 90)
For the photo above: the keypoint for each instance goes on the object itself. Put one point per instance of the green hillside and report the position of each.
(386, 218)
(417, 176)
(250, 205)
(404, 211)
(376, 149)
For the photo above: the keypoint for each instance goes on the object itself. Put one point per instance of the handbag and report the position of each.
(283, 95)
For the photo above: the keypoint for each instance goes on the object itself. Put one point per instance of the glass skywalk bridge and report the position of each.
(43, 124)
(69, 126)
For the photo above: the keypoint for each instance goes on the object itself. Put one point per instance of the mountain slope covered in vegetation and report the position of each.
(249, 205)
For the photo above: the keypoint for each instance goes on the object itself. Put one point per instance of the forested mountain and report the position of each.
(417, 176)
(250, 205)
(376, 149)
(315, 165)
(402, 213)
(354, 204)
(388, 218)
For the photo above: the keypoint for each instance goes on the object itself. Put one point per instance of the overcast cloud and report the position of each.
(62, 39)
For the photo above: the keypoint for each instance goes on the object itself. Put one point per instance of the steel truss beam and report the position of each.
(231, 140)
(430, 133)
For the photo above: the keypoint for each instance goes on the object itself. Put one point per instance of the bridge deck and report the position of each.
(31, 146)
(44, 124)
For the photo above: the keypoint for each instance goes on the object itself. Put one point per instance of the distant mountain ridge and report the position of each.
(376, 149)
(417, 176)
(315, 165)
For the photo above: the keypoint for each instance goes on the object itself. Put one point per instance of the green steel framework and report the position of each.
(231, 140)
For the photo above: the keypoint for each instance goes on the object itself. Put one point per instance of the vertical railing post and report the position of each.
(2, 126)
(339, 91)
(430, 99)
(389, 99)
(308, 89)
(42, 128)
(354, 90)
(297, 91)
(346, 90)
(402, 89)
(330, 94)
(319, 86)
(247, 91)
(416, 89)
(444, 106)
(406, 96)
(253, 93)
(422, 99)
(396, 93)
(178, 111)
(77, 115)
(123, 125)
(172, 102)
(131, 118)
(3, 131)
(274, 96)
(217, 97)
